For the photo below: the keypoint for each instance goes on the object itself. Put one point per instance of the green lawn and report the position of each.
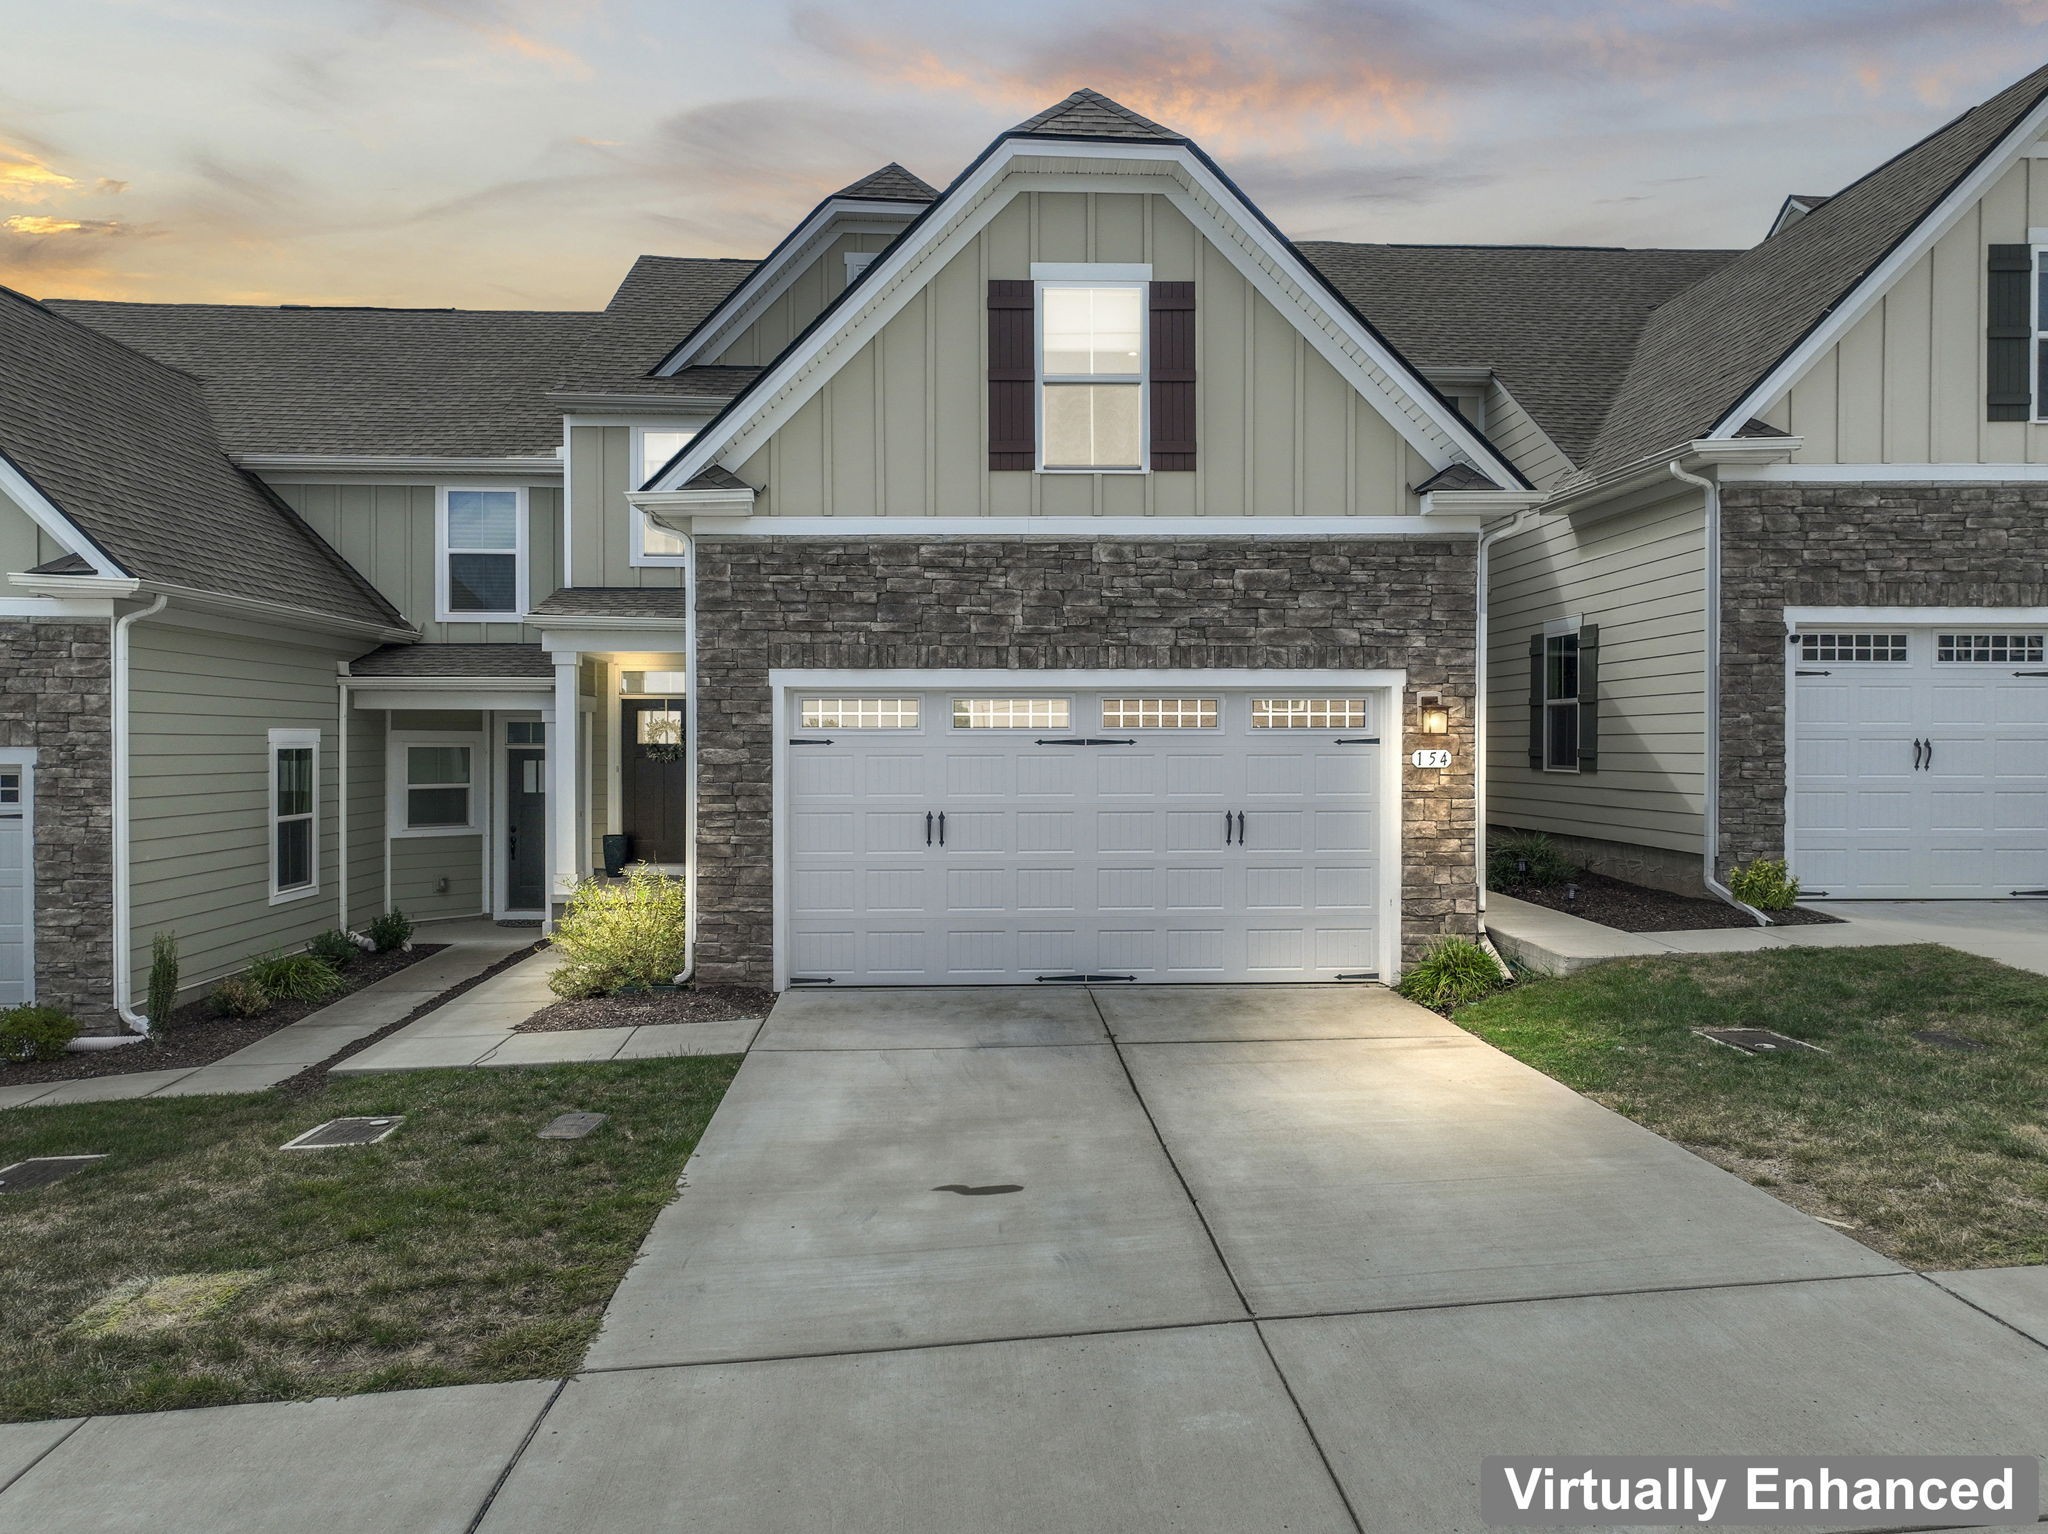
(1937, 1158)
(463, 1249)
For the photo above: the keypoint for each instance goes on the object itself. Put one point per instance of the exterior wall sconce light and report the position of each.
(1431, 717)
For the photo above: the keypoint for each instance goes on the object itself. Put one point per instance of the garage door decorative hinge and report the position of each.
(2030, 893)
(2030, 673)
(1360, 740)
(1089, 741)
(1813, 673)
(1082, 979)
(794, 741)
(1364, 974)
(810, 979)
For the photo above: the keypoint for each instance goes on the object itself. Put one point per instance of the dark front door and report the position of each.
(653, 779)
(526, 827)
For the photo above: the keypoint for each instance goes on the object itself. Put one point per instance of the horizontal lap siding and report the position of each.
(419, 863)
(1641, 577)
(202, 708)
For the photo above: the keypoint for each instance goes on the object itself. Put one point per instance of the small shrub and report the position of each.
(334, 948)
(34, 1033)
(294, 977)
(163, 981)
(239, 996)
(1455, 971)
(617, 935)
(1766, 883)
(1527, 858)
(389, 931)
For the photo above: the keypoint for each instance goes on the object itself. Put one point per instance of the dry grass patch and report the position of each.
(1937, 1157)
(462, 1249)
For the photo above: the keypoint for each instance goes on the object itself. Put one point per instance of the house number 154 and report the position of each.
(1435, 757)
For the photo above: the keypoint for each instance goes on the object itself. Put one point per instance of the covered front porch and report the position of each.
(486, 780)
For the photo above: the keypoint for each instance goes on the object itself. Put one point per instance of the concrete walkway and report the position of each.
(1202, 1259)
(1551, 942)
(477, 1028)
(472, 948)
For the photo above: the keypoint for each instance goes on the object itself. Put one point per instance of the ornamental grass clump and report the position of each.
(1454, 972)
(294, 977)
(618, 936)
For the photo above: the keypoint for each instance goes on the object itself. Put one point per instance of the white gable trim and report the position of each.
(772, 278)
(1436, 432)
(21, 490)
(1865, 295)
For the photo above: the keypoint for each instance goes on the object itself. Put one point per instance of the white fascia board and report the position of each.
(1431, 427)
(1440, 504)
(382, 693)
(62, 531)
(1864, 296)
(1887, 474)
(75, 585)
(771, 279)
(317, 466)
(613, 404)
(600, 636)
(1071, 528)
(57, 607)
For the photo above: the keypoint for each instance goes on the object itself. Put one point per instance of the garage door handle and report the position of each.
(927, 828)
(1930, 756)
(1240, 828)
(1916, 753)
(942, 828)
(1227, 838)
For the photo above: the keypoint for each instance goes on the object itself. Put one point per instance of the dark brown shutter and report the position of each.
(1012, 420)
(2008, 333)
(1589, 697)
(1173, 376)
(1536, 700)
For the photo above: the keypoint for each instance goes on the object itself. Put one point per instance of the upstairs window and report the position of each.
(482, 565)
(652, 449)
(1091, 372)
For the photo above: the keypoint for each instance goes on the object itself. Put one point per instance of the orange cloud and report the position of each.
(25, 178)
(36, 223)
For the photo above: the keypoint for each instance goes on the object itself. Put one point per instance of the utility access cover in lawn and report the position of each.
(41, 1171)
(337, 1132)
(1759, 1041)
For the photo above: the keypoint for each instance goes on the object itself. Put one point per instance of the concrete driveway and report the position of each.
(1194, 1260)
(1222, 1259)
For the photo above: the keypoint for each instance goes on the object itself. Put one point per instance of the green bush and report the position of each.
(163, 981)
(618, 935)
(334, 948)
(294, 977)
(1766, 883)
(1527, 858)
(389, 931)
(239, 996)
(1455, 971)
(34, 1033)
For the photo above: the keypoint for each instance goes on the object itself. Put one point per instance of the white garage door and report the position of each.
(15, 812)
(1920, 762)
(953, 837)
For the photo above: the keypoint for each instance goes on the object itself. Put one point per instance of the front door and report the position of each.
(526, 819)
(653, 779)
(17, 956)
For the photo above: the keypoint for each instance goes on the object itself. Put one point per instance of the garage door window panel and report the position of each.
(1160, 713)
(860, 713)
(1012, 714)
(1990, 649)
(1854, 648)
(1311, 714)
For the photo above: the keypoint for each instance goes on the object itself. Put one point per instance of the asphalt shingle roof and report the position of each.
(445, 383)
(614, 602)
(1556, 323)
(892, 183)
(661, 300)
(1090, 114)
(1702, 351)
(124, 447)
(523, 661)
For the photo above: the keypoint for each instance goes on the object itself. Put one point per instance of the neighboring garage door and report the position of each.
(16, 808)
(944, 836)
(1920, 761)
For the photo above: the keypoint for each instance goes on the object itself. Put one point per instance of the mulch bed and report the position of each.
(634, 1009)
(196, 1036)
(1632, 908)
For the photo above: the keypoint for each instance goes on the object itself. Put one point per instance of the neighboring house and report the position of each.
(1056, 575)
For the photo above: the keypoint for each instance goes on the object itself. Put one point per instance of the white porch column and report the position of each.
(564, 752)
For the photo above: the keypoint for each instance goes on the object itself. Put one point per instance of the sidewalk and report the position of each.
(472, 948)
(1553, 943)
(478, 1028)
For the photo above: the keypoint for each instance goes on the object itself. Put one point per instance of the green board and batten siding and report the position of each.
(600, 518)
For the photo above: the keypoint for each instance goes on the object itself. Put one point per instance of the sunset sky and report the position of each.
(520, 153)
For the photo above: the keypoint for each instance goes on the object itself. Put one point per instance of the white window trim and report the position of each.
(22, 759)
(857, 261)
(1576, 701)
(521, 596)
(396, 804)
(637, 555)
(1095, 277)
(2035, 318)
(291, 740)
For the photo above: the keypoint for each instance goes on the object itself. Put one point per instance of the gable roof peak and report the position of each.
(1090, 114)
(892, 183)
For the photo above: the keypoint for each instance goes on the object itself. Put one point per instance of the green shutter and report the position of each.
(1589, 697)
(2008, 333)
(1536, 700)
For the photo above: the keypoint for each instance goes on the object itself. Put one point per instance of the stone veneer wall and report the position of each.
(55, 695)
(1788, 545)
(1030, 604)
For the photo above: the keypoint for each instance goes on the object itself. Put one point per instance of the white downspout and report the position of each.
(1709, 872)
(690, 755)
(1523, 521)
(124, 940)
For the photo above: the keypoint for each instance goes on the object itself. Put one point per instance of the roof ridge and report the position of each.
(1047, 124)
